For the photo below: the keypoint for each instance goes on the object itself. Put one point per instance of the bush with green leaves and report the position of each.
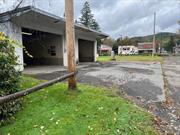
(9, 77)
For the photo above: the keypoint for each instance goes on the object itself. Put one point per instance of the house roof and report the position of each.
(105, 47)
(143, 43)
(145, 46)
(6, 16)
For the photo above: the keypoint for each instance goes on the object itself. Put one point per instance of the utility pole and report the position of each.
(161, 44)
(154, 36)
(70, 42)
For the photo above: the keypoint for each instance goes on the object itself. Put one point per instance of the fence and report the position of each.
(23, 93)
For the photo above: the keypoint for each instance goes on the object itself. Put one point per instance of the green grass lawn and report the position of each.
(89, 111)
(130, 58)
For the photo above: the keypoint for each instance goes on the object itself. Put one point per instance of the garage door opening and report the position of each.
(46, 48)
(86, 50)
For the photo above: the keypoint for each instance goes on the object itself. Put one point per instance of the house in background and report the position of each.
(146, 47)
(127, 50)
(43, 35)
(105, 50)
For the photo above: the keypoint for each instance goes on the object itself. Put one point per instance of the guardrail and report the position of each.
(23, 93)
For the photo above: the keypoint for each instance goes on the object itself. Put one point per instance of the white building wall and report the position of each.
(85, 36)
(76, 50)
(95, 51)
(14, 32)
(65, 62)
(49, 6)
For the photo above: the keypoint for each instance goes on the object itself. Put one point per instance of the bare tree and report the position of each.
(108, 41)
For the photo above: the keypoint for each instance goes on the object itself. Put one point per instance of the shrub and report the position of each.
(9, 77)
(105, 54)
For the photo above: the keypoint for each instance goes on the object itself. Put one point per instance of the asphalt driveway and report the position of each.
(138, 79)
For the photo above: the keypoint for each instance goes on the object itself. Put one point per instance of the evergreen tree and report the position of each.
(87, 18)
(95, 25)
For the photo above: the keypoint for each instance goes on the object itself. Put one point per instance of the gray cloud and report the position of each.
(119, 17)
(135, 18)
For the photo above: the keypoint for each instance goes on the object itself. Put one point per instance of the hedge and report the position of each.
(9, 77)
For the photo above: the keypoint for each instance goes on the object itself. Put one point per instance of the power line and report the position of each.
(18, 5)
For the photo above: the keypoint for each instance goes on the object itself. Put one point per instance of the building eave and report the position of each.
(6, 16)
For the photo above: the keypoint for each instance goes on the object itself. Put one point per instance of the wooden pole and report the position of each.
(154, 36)
(70, 41)
(23, 93)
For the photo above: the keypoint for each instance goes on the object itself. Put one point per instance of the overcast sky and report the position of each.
(120, 17)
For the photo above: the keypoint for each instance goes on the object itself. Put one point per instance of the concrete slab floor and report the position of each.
(46, 69)
(43, 69)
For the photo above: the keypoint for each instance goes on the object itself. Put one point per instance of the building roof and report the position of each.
(6, 16)
(143, 43)
(145, 46)
(105, 47)
(127, 46)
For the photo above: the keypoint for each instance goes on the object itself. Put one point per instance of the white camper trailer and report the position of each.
(127, 50)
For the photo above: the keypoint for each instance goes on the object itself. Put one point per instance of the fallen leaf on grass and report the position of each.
(100, 108)
(42, 127)
(51, 119)
(57, 122)
(90, 128)
(35, 126)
